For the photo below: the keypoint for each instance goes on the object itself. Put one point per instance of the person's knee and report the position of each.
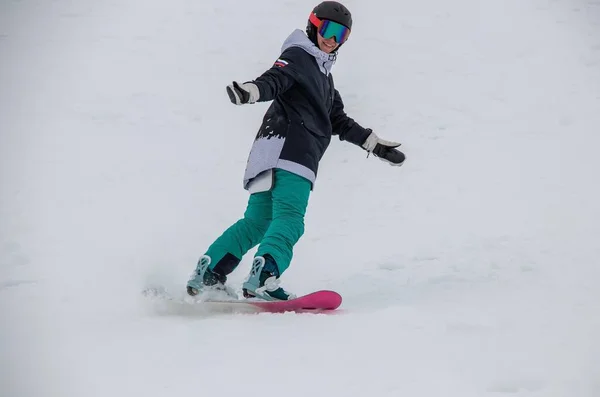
(298, 224)
(258, 226)
(291, 227)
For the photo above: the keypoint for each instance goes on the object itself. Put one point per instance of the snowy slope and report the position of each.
(470, 271)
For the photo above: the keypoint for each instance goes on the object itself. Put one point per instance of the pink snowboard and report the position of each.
(318, 301)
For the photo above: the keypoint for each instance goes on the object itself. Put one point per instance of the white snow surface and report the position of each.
(471, 270)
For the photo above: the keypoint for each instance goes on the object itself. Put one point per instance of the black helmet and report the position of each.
(333, 11)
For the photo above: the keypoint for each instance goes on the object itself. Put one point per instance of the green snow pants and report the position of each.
(273, 219)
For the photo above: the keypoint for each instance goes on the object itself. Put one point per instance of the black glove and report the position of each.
(240, 94)
(384, 150)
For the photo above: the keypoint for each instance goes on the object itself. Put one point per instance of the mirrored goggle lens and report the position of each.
(331, 29)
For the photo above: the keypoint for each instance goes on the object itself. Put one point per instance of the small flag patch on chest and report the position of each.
(280, 63)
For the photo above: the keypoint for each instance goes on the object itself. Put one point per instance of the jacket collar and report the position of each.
(299, 39)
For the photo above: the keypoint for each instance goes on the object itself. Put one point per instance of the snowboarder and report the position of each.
(282, 165)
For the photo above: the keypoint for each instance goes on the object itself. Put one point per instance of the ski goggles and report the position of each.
(328, 29)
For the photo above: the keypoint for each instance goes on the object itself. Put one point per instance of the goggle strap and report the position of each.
(314, 20)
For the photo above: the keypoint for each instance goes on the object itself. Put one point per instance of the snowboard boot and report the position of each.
(263, 281)
(204, 277)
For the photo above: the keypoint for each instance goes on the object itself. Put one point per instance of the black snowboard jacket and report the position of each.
(306, 111)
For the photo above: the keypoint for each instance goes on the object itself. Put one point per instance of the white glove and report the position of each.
(242, 94)
(372, 141)
(384, 150)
